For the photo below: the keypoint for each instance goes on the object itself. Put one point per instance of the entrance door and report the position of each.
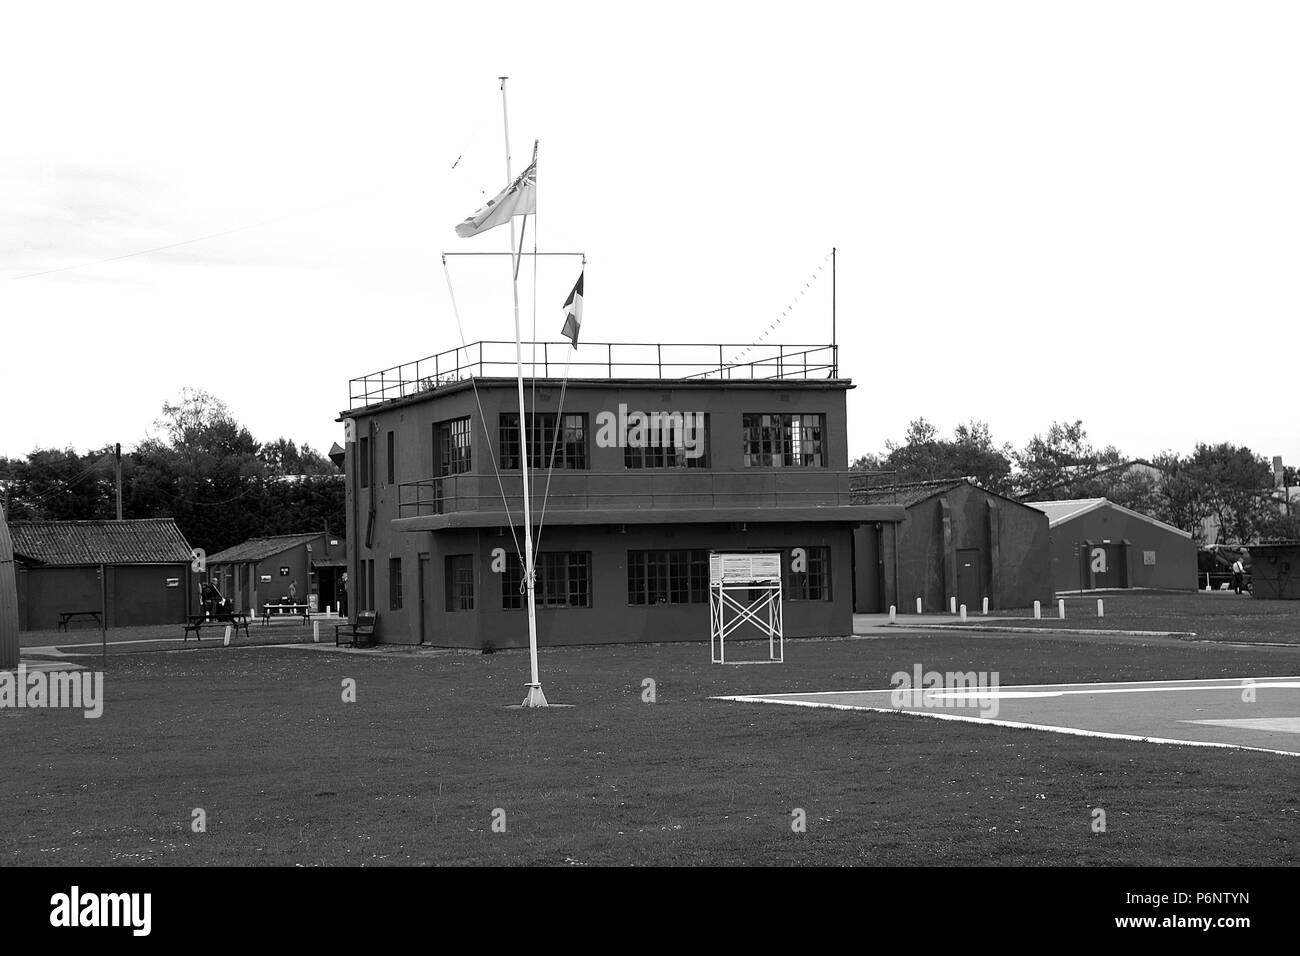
(968, 578)
(1106, 565)
(422, 566)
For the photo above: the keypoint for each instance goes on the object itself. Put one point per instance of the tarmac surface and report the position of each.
(1248, 713)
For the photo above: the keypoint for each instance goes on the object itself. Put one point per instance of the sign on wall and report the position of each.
(173, 582)
(266, 578)
(284, 572)
(1148, 557)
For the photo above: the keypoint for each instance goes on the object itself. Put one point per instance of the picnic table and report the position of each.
(301, 610)
(197, 622)
(66, 616)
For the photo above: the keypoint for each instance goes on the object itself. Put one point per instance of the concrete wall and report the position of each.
(1132, 538)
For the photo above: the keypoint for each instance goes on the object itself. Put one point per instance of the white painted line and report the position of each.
(1230, 682)
(1016, 725)
(1285, 725)
(991, 692)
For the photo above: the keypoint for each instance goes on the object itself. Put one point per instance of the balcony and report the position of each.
(663, 491)
(596, 360)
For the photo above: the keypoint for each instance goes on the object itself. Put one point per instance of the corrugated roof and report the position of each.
(134, 541)
(1059, 511)
(906, 494)
(258, 549)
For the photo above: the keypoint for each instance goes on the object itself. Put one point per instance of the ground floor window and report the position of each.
(667, 577)
(394, 584)
(460, 582)
(813, 583)
(563, 580)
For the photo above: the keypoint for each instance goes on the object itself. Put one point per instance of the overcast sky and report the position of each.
(1043, 210)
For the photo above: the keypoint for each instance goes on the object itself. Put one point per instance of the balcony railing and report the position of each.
(603, 360)
(663, 490)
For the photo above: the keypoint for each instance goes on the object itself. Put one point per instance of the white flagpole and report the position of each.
(535, 696)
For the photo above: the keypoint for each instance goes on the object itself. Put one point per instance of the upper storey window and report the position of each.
(550, 439)
(452, 440)
(785, 441)
(666, 441)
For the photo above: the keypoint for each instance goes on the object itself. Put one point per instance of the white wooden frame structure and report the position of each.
(733, 572)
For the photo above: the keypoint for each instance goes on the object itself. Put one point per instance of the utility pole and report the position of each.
(117, 452)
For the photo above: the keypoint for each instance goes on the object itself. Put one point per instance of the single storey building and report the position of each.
(146, 564)
(1098, 544)
(957, 540)
(260, 570)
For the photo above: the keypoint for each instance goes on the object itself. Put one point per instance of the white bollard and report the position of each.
(315, 632)
(952, 605)
(963, 612)
(227, 635)
(1101, 611)
(918, 605)
(893, 613)
(986, 606)
(1060, 608)
(1038, 611)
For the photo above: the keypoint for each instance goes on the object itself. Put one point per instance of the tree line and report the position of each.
(201, 467)
(1220, 484)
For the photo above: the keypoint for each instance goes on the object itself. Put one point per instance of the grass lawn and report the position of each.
(412, 772)
(1213, 616)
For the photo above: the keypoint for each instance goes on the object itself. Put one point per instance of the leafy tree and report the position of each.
(1236, 489)
(1180, 495)
(60, 484)
(201, 467)
(971, 453)
(1062, 464)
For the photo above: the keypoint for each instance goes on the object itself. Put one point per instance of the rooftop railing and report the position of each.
(600, 360)
(649, 489)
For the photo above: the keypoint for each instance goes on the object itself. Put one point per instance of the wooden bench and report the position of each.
(362, 633)
(198, 622)
(66, 616)
(301, 610)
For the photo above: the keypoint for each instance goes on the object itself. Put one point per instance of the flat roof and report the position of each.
(847, 514)
(451, 388)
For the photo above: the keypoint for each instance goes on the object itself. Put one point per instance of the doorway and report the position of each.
(422, 567)
(968, 578)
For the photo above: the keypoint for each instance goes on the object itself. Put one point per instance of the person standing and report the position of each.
(343, 594)
(293, 591)
(1238, 575)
